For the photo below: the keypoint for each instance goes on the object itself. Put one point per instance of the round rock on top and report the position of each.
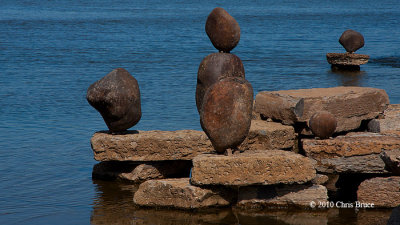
(323, 124)
(117, 98)
(351, 40)
(223, 30)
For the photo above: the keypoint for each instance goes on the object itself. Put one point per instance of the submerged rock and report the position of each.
(226, 113)
(223, 30)
(117, 98)
(323, 124)
(351, 40)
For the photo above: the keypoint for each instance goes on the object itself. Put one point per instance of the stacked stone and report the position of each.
(352, 41)
(351, 155)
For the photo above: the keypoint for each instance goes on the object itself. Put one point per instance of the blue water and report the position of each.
(51, 51)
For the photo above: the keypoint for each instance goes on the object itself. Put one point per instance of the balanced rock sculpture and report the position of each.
(352, 41)
(223, 30)
(226, 113)
(117, 98)
(213, 68)
(323, 124)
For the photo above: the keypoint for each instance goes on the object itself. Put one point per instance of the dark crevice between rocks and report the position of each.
(339, 68)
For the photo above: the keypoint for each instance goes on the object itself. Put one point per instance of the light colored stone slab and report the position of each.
(252, 168)
(350, 105)
(179, 193)
(347, 59)
(383, 192)
(389, 122)
(356, 164)
(281, 196)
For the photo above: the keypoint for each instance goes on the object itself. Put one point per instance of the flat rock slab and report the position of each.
(384, 192)
(182, 144)
(278, 196)
(355, 152)
(252, 168)
(391, 159)
(347, 59)
(350, 105)
(179, 193)
(140, 172)
(389, 122)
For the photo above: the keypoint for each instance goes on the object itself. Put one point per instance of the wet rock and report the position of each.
(392, 160)
(252, 168)
(323, 124)
(278, 196)
(383, 192)
(351, 40)
(213, 68)
(226, 113)
(223, 30)
(117, 97)
(179, 193)
(350, 105)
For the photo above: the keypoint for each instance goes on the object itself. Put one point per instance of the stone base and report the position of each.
(278, 196)
(383, 192)
(252, 168)
(347, 59)
(179, 193)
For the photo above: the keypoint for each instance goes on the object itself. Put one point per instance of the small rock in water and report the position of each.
(323, 124)
(117, 97)
(223, 30)
(351, 40)
(226, 112)
(213, 68)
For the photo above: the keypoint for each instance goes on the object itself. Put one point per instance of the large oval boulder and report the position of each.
(213, 68)
(223, 30)
(323, 124)
(351, 40)
(117, 97)
(226, 113)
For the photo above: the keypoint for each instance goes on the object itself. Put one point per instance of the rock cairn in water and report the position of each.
(352, 41)
(117, 98)
(323, 124)
(224, 98)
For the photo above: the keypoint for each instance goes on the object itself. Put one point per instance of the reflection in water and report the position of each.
(114, 205)
(393, 61)
(348, 77)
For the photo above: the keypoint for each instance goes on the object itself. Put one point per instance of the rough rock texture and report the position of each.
(392, 160)
(320, 179)
(281, 196)
(117, 97)
(347, 59)
(268, 135)
(355, 152)
(323, 124)
(141, 172)
(252, 168)
(350, 105)
(226, 113)
(223, 30)
(182, 144)
(179, 193)
(351, 40)
(384, 192)
(389, 122)
(213, 68)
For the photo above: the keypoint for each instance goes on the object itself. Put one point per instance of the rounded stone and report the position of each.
(323, 124)
(117, 98)
(223, 30)
(351, 40)
(226, 113)
(213, 68)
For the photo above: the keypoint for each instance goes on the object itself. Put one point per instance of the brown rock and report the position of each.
(320, 179)
(252, 168)
(223, 30)
(383, 192)
(347, 59)
(117, 97)
(351, 40)
(281, 196)
(138, 173)
(389, 121)
(350, 105)
(226, 113)
(323, 124)
(179, 193)
(353, 153)
(392, 160)
(213, 68)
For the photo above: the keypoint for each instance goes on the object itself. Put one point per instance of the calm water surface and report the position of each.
(51, 51)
